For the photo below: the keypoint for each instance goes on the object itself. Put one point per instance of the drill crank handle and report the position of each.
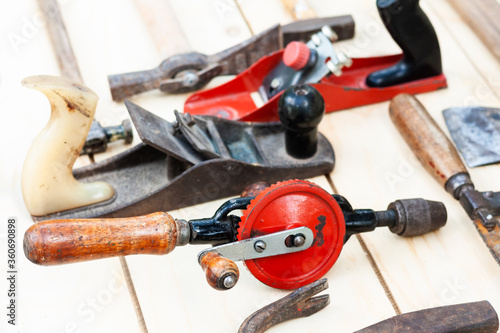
(431, 146)
(221, 273)
(69, 241)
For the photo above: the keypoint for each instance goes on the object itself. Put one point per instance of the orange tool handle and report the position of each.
(431, 146)
(221, 273)
(58, 242)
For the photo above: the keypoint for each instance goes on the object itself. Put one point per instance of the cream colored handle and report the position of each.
(47, 179)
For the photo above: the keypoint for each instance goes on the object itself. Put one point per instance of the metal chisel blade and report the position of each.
(476, 133)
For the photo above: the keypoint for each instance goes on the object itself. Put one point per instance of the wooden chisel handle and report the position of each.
(67, 241)
(477, 317)
(431, 146)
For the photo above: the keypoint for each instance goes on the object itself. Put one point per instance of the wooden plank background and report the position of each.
(377, 275)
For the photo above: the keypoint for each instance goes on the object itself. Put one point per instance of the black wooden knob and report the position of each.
(301, 109)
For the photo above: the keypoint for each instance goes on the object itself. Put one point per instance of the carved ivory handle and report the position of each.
(47, 180)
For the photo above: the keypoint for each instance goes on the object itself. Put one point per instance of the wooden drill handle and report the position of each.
(217, 269)
(431, 146)
(67, 241)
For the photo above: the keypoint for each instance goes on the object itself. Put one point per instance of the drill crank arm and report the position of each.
(282, 242)
(218, 262)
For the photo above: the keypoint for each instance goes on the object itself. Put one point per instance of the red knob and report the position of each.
(296, 55)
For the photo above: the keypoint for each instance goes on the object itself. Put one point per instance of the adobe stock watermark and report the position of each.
(449, 294)
(29, 27)
(482, 92)
(402, 171)
(224, 7)
(88, 310)
(365, 37)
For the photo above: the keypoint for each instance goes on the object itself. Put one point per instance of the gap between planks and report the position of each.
(371, 260)
(457, 40)
(133, 295)
(68, 65)
(360, 239)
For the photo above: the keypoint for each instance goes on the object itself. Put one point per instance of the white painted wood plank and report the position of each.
(375, 166)
(74, 298)
(174, 286)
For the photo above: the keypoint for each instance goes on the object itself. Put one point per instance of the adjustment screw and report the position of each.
(259, 246)
(332, 67)
(275, 83)
(344, 59)
(329, 33)
(316, 40)
(299, 240)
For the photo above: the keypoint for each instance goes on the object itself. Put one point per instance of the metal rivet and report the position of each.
(299, 240)
(229, 282)
(329, 33)
(259, 246)
(190, 79)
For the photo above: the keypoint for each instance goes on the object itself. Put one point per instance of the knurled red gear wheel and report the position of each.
(287, 205)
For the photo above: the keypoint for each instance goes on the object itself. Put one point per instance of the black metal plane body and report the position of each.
(193, 160)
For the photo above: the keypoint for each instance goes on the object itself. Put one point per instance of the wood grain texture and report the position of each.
(60, 40)
(432, 148)
(482, 17)
(300, 9)
(163, 26)
(217, 268)
(69, 241)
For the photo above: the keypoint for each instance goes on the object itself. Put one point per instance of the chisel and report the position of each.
(440, 158)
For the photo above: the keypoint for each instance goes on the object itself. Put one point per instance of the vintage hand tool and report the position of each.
(476, 132)
(439, 157)
(476, 317)
(297, 218)
(69, 68)
(253, 94)
(192, 71)
(482, 17)
(298, 304)
(192, 160)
